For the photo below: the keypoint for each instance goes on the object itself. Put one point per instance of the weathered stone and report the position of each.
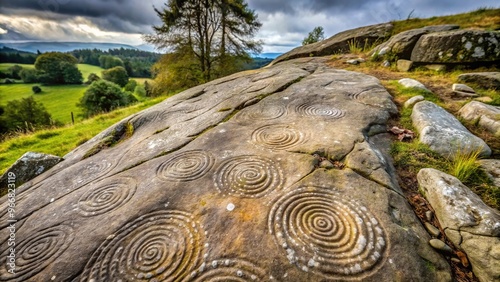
(339, 43)
(461, 94)
(462, 87)
(484, 99)
(460, 46)
(234, 191)
(404, 65)
(386, 64)
(435, 67)
(413, 100)
(440, 245)
(486, 116)
(444, 133)
(27, 167)
(469, 223)
(429, 215)
(401, 44)
(492, 168)
(432, 229)
(412, 83)
(353, 62)
(483, 79)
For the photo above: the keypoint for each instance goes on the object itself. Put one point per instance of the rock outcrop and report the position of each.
(401, 45)
(492, 168)
(277, 174)
(467, 221)
(444, 133)
(486, 116)
(339, 43)
(459, 46)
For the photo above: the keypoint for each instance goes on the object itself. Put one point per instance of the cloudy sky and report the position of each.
(285, 22)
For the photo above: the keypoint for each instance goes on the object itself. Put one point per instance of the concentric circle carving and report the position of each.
(309, 109)
(36, 251)
(249, 176)
(186, 166)
(236, 270)
(278, 136)
(106, 195)
(93, 170)
(263, 113)
(323, 232)
(160, 246)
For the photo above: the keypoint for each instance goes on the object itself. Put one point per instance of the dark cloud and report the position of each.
(133, 16)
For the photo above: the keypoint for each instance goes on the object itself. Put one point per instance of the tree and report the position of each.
(15, 71)
(107, 62)
(208, 32)
(117, 75)
(91, 78)
(316, 35)
(58, 68)
(131, 84)
(25, 114)
(29, 76)
(103, 96)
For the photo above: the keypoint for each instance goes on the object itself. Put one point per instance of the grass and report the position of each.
(483, 18)
(464, 165)
(4, 67)
(59, 100)
(60, 141)
(88, 69)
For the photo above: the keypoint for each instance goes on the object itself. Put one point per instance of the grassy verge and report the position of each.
(60, 141)
(483, 18)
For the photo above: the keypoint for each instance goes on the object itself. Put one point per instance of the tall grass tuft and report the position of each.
(464, 164)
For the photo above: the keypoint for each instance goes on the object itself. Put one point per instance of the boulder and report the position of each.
(412, 83)
(435, 67)
(339, 43)
(460, 46)
(443, 133)
(462, 88)
(208, 189)
(486, 116)
(484, 79)
(469, 224)
(404, 65)
(413, 100)
(492, 168)
(401, 44)
(27, 167)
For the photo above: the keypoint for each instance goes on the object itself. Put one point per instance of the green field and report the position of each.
(60, 100)
(60, 141)
(4, 67)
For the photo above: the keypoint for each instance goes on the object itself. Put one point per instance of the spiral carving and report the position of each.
(278, 136)
(159, 246)
(93, 170)
(249, 176)
(237, 270)
(186, 166)
(308, 109)
(323, 232)
(36, 252)
(263, 113)
(106, 196)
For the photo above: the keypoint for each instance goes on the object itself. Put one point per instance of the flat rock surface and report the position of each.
(492, 168)
(483, 79)
(223, 182)
(444, 133)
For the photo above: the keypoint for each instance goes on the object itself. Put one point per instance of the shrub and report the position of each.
(91, 78)
(116, 75)
(36, 89)
(26, 114)
(140, 91)
(103, 96)
(29, 76)
(8, 81)
(130, 86)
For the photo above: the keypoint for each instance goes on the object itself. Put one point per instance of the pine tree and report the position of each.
(211, 32)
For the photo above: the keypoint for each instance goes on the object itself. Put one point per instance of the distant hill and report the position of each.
(33, 46)
(266, 55)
